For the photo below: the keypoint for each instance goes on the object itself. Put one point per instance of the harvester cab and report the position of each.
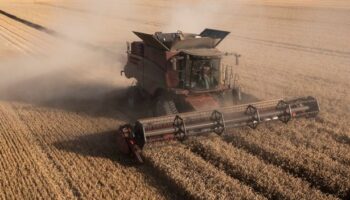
(182, 78)
(178, 72)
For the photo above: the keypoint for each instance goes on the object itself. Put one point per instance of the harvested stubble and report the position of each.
(48, 159)
(86, 163)
(25, 170)
(195, 177)
(317, 168)
(267, 179)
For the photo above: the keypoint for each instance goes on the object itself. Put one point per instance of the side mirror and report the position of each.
(128, 50)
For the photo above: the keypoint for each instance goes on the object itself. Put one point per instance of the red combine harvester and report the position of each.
(191, 92)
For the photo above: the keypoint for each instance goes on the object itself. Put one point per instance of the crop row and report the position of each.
(23, 171)
(82, 155)
(317, 168)
(194, 177)
(269, 180)
(308, 134)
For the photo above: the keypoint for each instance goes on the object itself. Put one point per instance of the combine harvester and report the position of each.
(181, 77)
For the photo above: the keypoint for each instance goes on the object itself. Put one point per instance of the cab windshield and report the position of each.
(204, 74)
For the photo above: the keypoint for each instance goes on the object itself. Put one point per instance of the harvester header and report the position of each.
(185, 82)
(133, 138)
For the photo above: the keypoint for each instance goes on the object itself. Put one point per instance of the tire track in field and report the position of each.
(316, 168)
(34, 36)
(32, 13)
(20, 46)
(28, 23)
(266, 179)
(55, 33)
(14, 44)
(19, 29)
(77, 10)
(22, 40)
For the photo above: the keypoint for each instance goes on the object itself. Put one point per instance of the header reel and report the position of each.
(132, 138)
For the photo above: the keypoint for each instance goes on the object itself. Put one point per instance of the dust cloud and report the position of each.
(195, 16)
(86, 62)
(77, 65)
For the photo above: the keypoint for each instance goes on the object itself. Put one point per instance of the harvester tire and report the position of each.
(164, 107)
(237, 95)
(134, 96)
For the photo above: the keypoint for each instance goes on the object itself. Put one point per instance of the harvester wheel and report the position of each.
(164, 107)
(231, 97)
(172, 107)
(135, 96)
(137, 153)
(237, 95)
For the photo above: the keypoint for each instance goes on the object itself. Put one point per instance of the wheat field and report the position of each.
(61, 93)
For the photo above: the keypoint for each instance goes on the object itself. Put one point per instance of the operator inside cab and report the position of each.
(205, 78)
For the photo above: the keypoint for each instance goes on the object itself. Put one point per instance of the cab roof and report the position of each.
(208, 38)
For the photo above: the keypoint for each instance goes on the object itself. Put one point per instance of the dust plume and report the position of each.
(85, 63)
(194, 16)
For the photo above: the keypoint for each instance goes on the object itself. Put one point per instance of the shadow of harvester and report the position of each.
(100, 145)
(104, 145)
